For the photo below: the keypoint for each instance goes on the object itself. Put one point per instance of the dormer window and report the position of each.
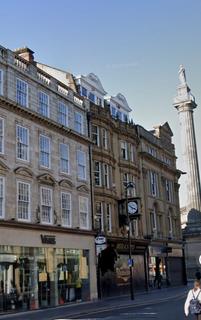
(84, 91)
(91, 97)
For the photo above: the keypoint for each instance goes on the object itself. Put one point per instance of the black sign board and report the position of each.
(48, 239)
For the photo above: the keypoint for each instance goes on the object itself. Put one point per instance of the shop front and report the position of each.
(114, 268)
(58, 269)
(166, 265)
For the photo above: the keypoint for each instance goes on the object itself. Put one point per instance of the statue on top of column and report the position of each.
(182, 74)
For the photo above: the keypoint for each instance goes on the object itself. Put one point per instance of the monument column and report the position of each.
(185, 104)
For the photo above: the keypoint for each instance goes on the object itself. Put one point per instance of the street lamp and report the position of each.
(129, 185)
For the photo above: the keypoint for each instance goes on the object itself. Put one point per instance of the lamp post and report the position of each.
(128, 186)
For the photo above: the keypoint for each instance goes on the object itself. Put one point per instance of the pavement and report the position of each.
(88, 309)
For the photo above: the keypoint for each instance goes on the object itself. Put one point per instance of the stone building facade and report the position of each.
(160, 200)
(68, 152)
(123, 152)
(47, 242)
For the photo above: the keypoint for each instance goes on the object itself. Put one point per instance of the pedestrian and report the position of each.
(193, 301)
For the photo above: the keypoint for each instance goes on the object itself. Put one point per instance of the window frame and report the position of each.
(29, 203)
(41, 206)
(3, 140)
(98, 172)
(108, 205)
(96, 135)
(63, 115)
(106, 175)
(70, 210)
(105, 138)
(82, 165)
(26, 94)
(87, 213)
(3, 197)
(81, 123)
(99, 216)
(41, 165)
(41, 107)
(22, 144)
(124, 150)
(62, 159)
(1, 82)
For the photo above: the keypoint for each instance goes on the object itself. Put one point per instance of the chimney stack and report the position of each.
(25, 53)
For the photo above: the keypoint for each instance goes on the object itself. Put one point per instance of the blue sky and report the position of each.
(134, 46)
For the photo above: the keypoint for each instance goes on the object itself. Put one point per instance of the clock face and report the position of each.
(132, 207)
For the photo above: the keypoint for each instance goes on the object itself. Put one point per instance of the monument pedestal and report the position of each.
(192, 239)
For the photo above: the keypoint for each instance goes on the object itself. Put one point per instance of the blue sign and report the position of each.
(130, 262)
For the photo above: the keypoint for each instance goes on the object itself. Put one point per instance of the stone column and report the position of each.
(185, 104)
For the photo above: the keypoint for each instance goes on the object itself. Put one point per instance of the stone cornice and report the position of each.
(101, 156)
(51, 124)
(147, 155)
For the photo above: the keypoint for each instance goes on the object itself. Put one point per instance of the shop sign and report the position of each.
(100, 240)
(48, 239)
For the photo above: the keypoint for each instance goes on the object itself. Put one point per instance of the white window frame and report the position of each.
(2, 196)
(153, 183)
(43, 204)
(25, 93)
(169, 190)
(69, 209)
(170, 225)
(22, 144)
(96, 135)
(44, 108)
(80, 125)
(124, 150)
(132, 153)
(105, 138)
(63, 116)
(87, 212)
(64, 159)
(106, 175)
(153, 221)
(29, 201)
(2, 137)
(81, 165)
(46, 152)
(99, 215)
(98, 174)
(108, 217)
(1, 82)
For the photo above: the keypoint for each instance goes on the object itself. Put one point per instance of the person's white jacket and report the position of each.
(190, 297)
